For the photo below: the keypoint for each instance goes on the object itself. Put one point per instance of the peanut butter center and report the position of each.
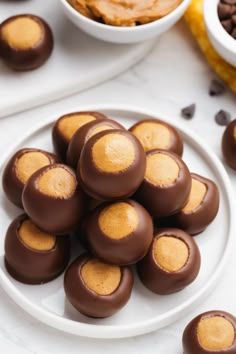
(29, 163)
(99, 129)
(34, 238)
(197, 194)
(70, 124)
(118, 220)
(152, 135)
(161, 169)
(22, 33)
(170, 253)
(215, 333)
(57, 183)
(101, 278)
(113, 153)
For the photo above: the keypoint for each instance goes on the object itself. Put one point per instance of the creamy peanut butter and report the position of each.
(118, 220)
(125, 12)
(101, 278)
(35, 238)
(215, 333)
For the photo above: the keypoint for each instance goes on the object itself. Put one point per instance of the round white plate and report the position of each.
(145, 311)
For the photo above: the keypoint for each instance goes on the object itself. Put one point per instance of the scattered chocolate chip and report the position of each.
(217, 88)
(229, 2)
(224, 11)
(228, 25)
(189, 111)
(223, 117)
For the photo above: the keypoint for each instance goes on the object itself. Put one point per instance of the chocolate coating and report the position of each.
(88, 302)
(162, 282)
(12, 185)
(54, 215)
(31, 266)
(165, 200)
(127, 250)
(109, 186)
(198, 219)
(60, 142)
(30, 58)
(175, 143)
(190, 338)
(229, 144)
(82, 135)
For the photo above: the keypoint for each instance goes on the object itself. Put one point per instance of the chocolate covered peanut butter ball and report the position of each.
(211, 332)
(33, 256)
(20, 167)
(26, 42)
(172, 262)
(95, 288)
(112, 165)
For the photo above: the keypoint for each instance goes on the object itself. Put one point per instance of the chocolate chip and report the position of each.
(229, 2)
(228, 25)
(224, 11)
(217, 88)
(223, 117)
(189, 111)
(233, 34)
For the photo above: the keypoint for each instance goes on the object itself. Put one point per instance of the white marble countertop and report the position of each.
(173, 75)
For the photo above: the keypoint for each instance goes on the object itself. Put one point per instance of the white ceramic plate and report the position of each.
(145, 311)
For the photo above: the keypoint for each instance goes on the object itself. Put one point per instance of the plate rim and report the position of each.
(129, 330)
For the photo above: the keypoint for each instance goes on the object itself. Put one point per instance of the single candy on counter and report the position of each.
(20, 167)
(97, 289)
(201, 208)
(112, 165)
(166, 185)
(119, 233)
(33, 256)
(26, 42)
(229, 144)
(156, 134)
(172, 262)
(83, 134)
(211, 332)
(53, 199)
(66, 126)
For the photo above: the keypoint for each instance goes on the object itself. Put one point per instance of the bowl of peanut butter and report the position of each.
(124, 21)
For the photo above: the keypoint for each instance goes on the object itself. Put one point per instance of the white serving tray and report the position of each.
(145, 311)
(77, 63)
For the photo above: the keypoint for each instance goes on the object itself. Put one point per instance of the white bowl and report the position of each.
(223, 43)
(123, 35)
